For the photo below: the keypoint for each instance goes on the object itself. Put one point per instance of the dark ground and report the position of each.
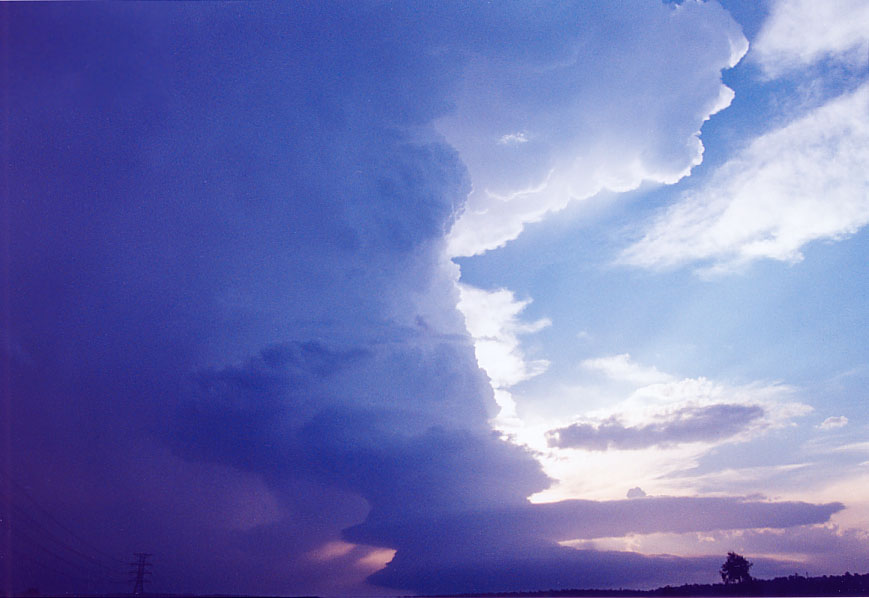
(794, 585)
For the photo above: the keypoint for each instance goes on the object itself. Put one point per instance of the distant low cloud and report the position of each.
(824, 547)
(831, 423)
(691, 424)
(804, 182)
(636, 493)
(801, 32)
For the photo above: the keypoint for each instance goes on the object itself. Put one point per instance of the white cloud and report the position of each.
(831, 423)
(622, 104)
(804, 182)
(493, 321)
(622, 368)
(651, 404)
(798, 33)
(664, 401)
(858, 447)
(513, 138)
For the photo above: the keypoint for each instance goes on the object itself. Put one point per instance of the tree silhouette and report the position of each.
(735, 569)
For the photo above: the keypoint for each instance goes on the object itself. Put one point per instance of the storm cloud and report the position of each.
(231, 334)
(515, 549)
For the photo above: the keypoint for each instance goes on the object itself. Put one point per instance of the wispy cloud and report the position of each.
(801, 32)
(622, 368)
(816, 546)
(513, 138)
(831, 423)
(652, 402)
(675, 421)
(804, 182)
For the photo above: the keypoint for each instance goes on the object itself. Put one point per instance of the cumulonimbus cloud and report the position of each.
(514, 548)
(576, 107)
(574, 519)
(228, 260)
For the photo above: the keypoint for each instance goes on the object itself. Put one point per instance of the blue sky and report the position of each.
(383, 298)
(742, 284)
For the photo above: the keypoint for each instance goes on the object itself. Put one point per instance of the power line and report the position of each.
(71, 559)
(28, 538)
(48, 567)
(142, 570)
(88, 576)
(50, 536)
(27, 526)
(54, 520)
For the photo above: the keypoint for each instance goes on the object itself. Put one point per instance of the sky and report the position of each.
(380, 298)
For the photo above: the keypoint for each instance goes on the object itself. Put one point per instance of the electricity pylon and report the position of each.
(142, 568)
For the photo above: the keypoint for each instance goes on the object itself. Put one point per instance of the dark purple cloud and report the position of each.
(557, 567)
(578, 519)
(231, 338)
(689, 424)
(514, 549)
(234, 334)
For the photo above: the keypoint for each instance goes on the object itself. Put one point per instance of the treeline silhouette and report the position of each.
(793, 585)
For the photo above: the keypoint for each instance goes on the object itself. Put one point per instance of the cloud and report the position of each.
(575, 519)
(816, 547)
(746, 478)
(230, 285)
(636, 493)
(676, 424)
(492, 318)
(512, 548)
(243, 352)
(853, 447)
(798, 33)
(576, 103)
(556, 567)
(803, 182)
(659, 399)
(831, 423)
(513, 138)
(691, 424)
(623, 368)
(493, 322)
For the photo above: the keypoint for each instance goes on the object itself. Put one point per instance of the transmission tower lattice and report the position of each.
(141, 568)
